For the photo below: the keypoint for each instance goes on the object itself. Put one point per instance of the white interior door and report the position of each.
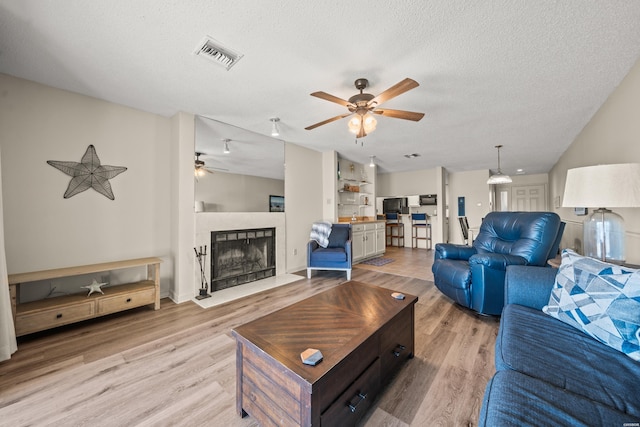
(529, 198)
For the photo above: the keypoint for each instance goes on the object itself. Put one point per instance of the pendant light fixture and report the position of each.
(499, 177)
(226, 146)
(372, 162)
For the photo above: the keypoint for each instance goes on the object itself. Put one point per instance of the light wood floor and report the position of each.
(176, 366)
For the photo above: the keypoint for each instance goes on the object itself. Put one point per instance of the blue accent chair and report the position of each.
(337, 254)
(473, 276)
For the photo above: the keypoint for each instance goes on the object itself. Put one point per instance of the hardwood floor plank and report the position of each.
(176, 365)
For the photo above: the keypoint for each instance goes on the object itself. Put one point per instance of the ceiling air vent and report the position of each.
(213, 50)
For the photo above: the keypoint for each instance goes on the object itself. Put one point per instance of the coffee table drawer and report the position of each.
(125, 301)
(356, 400)
(348, 370)
(396, 344)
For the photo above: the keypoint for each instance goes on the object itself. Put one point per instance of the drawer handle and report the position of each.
(361, 396)
(128, 299)
(59, 316)
(399, 348)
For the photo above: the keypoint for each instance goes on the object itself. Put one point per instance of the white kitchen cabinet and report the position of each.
(381, 241)
(368, 240)
(357, 242)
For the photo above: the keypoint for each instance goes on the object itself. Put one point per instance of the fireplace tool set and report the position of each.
(202, 259)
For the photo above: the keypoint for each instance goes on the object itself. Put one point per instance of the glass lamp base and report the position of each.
(604, 236)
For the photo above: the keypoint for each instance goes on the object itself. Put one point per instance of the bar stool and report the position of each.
(420, 221)
(394, 223)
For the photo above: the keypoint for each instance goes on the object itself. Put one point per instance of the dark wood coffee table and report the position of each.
(364, 335)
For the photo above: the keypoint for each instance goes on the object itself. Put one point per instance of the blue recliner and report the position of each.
(337, 254)
(473, 276)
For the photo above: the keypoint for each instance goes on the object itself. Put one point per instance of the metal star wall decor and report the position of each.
(89, 173)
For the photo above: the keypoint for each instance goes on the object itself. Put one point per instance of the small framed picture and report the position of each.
(580, 211)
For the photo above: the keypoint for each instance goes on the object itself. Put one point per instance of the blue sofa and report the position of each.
(550, 373)
(473, 276)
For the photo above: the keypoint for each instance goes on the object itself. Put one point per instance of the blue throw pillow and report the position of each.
(600, 299)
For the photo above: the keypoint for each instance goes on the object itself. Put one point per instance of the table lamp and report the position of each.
(604, 186)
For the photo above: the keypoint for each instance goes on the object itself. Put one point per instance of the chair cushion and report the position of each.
(329, 255)
(540, 346)
(599, 299)
(514, 399)
(338, 237)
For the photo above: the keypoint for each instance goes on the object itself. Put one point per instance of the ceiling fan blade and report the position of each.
(332, 119)
(399, 114)
(331, 98)
(395, 90)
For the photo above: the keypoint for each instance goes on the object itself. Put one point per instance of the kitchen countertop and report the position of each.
(360, 220)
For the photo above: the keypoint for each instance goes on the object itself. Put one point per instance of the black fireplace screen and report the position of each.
(242, 256)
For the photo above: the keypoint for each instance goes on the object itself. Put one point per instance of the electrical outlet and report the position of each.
(295, 251)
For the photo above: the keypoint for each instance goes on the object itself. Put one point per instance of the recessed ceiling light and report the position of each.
(519, 171)
(412, 156)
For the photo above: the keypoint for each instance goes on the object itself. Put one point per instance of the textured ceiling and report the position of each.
(525, 74)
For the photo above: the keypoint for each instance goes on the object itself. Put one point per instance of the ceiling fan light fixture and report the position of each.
(369, 123)
(499, 177)
(360, 122)
(354, 124)
(275, 130)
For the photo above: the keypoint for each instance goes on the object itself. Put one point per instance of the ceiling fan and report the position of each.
(200, 168)
(363, 104)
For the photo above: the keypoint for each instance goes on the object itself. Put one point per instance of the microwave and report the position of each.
(428, 199)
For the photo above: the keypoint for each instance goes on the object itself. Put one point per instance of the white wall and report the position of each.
(612, 136)
(229, 192)
(400, 184)
(43, 230)
(182, 207)
(472, 185)
(329, 186)
(303, 185)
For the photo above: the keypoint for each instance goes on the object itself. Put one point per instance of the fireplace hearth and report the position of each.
(242, 256)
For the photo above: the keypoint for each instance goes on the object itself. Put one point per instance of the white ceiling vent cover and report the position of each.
(213, 50)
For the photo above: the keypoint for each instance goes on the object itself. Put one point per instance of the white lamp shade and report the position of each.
(603, 186)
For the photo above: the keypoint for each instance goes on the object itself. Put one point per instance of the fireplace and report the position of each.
(242, 256)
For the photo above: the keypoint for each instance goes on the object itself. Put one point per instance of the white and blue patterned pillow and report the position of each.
(600, 299)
